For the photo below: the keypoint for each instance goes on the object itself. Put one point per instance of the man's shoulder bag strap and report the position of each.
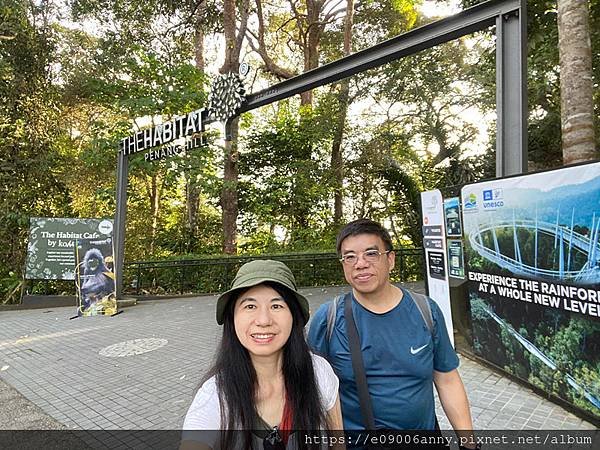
(425, 309)
(366, 408)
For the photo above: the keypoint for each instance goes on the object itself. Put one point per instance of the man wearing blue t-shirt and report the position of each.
(402, 357)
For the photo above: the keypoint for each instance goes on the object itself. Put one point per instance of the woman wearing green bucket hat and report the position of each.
(265, 383)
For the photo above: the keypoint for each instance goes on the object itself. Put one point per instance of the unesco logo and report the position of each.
(492, 199)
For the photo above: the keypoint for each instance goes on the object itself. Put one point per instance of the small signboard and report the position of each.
(436, 264)
(51, 245)
(433, 243)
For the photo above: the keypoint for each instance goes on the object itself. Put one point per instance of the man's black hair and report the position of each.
(364, 226)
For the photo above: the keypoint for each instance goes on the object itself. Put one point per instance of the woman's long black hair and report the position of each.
(236, 378)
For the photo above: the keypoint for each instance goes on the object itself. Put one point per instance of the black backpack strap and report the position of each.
(331, 315)
(358, 366)
(424, 308)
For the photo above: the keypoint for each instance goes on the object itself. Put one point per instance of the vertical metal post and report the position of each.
(511, 92)
(402, 256)
(181, 279)
(226, 276)
(138, 279)
(120, 220)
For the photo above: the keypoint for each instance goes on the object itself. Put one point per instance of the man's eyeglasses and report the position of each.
(370, 256)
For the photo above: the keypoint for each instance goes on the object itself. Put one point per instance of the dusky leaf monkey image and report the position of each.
(98, 282)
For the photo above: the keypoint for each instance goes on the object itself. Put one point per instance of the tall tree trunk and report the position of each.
(312, 39)
(192, 200)
(199, 36)
(310, 23)
(300, 210)
(229, 194)
(576, 88)
(192, 189)
(337, 158)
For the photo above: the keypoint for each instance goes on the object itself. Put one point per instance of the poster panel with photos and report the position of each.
(452, 217)
(456, 263)
(95, 277)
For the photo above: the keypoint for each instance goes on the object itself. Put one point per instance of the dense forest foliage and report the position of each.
(569, 340)
(76, 76)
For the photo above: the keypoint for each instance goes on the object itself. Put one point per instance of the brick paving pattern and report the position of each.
(56, 364)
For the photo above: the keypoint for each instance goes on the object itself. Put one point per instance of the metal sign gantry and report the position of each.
(509, 17)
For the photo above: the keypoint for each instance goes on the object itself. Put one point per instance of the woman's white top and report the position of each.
(205, 412)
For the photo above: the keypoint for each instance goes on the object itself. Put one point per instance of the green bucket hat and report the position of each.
(257, 272)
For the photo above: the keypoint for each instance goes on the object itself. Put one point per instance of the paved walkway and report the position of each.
(60, 373)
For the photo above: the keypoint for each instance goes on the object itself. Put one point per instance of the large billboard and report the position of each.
(533, 269)
(51, 245)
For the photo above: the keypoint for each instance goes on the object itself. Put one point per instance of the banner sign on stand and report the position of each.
(455, 259)
(452, 216)
(532, 250)
(95, 277)
(434, 242)
(51, 245)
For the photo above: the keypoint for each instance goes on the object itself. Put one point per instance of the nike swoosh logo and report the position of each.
(414, 351)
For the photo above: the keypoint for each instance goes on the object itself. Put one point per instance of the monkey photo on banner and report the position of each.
(95, 278)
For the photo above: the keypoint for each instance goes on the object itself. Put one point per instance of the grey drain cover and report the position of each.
(133, 347)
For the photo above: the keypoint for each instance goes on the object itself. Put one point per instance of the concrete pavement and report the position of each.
(140, 369)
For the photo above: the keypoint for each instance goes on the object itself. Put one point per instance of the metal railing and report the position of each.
(211, 275)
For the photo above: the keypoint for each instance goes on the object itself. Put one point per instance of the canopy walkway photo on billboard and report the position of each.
(567, 242)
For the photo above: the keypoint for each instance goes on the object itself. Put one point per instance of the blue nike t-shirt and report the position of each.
(399, 354)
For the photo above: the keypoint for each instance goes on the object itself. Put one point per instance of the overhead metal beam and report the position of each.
(479, 17)
(509, 17)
